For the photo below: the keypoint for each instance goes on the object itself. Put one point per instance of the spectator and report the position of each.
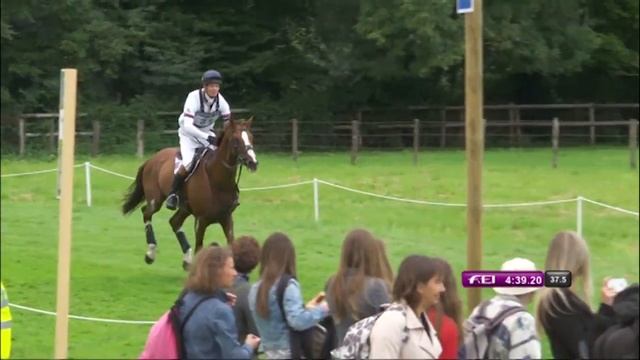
(564, 313)
(446, 314)
(403, 331)
(279, 258)
(361, 284)
(514, 336)
(387, 272)
(246, 255)
(211, 330)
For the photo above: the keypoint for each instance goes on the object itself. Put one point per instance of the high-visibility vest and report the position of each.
(5, 341)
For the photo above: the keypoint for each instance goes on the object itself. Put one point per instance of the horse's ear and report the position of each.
(231, 123)
(249, 122)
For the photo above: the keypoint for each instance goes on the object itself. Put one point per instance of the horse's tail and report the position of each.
(135, 195)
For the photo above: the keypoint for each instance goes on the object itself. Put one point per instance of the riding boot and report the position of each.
(172, 199)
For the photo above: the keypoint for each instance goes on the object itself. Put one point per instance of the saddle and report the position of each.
(198, 156)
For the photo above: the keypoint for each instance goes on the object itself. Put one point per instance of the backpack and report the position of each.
(165, 337)
(356, 343)
(310, 343)
(478, 330)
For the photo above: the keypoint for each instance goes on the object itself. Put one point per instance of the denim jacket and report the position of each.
(273, 330)
(210, 333)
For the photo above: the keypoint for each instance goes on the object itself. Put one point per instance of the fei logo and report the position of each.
(479, 279)
(482, 280)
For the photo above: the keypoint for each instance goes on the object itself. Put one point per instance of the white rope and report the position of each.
(278, 186)
(423, 202)
(112, 172)
(35, 172)
(611, 207)
(115, 321)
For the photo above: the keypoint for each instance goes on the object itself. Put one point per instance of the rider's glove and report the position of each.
(211, 139)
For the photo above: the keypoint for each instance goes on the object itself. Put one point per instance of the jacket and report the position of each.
(244, 318)
(211, 331)
(390, 340)
(274, 333)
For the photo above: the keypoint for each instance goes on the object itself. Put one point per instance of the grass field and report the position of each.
(111, 280)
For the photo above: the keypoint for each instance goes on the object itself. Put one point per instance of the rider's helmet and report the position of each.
(211, 76)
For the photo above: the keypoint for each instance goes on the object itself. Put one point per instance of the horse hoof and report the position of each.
(186, 265)
(148, 260)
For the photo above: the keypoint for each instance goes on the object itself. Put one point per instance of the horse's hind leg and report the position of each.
(201, 227)
(147, 213)
(176, 222)
(227, 228)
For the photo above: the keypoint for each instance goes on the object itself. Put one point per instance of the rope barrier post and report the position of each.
(316, 202)
(579, 204)
(87, 181)
(68, 81)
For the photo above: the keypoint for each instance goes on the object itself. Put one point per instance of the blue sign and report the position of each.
(464, 6)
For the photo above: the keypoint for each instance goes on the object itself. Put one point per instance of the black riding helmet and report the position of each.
(211, 76)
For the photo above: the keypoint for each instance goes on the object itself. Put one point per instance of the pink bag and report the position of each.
(161, 342)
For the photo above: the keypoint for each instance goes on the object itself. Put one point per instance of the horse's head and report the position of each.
(239, 137)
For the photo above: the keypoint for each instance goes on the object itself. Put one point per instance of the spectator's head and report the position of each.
(383, 263)
(419, 282)
(212, 269)
(359, 259)
(567, 251)
(450, 303)
(524, 294)
(278, 257)
(246, 254)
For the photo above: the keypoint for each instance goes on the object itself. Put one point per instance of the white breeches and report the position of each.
(188, 148)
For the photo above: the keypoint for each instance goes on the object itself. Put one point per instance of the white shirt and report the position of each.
(191, 105)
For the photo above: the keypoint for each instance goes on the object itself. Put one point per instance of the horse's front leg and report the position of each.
(227, 227)
(201, 227)
(176, 222)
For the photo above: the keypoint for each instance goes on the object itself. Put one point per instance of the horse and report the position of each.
(210, 192)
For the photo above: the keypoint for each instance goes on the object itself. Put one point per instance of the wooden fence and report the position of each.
(442, 128)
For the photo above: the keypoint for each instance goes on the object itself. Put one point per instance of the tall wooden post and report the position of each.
(633, 143)
(95, 143)
(474, 137)
(294, 139)
(68, 127)
(416, 140)
(443, 127)
(592, 127)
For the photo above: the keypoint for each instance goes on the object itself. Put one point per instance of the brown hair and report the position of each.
(567, 251)
(414, 270)
(246, 254)
(278, 257)
(450, 303)
(360, 258)
(204, 275)
(383, 263)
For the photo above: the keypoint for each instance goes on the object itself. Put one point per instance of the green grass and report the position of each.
(111, 280)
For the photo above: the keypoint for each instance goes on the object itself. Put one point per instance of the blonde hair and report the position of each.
(567, 251)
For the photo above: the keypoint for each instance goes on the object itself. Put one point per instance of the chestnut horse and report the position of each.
(210, 194)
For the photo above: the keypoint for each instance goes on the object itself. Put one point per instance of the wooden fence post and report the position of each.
(633, 143)
(95, 144)
(294, 139)
(512, 125)
(355, 139)
(518, 127)
(443, 127)
(416, 140)
(52, 142)
(23, 136)
(555, 135)
(592, 128)
(140, 138)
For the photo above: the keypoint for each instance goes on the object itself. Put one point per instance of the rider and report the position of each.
(201, 110)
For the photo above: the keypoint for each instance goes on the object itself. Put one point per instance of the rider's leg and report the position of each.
(180, 173)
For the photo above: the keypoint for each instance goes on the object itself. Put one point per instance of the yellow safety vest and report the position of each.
(5, 341)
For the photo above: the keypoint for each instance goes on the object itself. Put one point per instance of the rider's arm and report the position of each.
(191, 105)
(225, 109)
